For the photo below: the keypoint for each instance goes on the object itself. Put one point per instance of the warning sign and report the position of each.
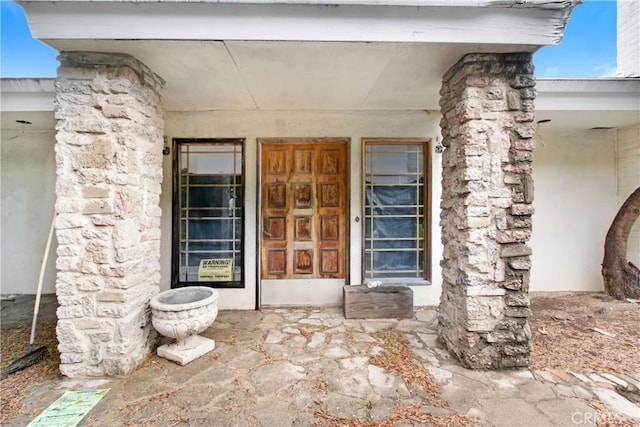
(216, 270)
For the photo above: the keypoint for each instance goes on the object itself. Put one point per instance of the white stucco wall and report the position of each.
(28, 174)
(253, 125)
(628, 176)
(575, 177)
(575, 202)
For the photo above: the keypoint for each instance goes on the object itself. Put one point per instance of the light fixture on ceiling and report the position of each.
(537, 135)
(24, 124)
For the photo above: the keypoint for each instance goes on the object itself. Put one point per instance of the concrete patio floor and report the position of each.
(302, 367)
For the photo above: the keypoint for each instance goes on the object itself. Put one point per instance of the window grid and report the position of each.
(187, 244)
(373, 246)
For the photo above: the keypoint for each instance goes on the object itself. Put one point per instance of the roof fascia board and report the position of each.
(588, 94)
(543, 4)
(26, 102)
(553, 95)
(509, 25)
(26, 94)
(599, 84)
(26, 84)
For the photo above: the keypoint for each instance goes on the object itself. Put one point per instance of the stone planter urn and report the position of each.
(182, 314)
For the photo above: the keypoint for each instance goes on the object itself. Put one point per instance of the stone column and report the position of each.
(109, 135)
(487, 106)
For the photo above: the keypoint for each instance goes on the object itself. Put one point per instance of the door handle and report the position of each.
(265, 230)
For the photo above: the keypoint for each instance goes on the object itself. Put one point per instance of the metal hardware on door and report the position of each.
(265, 231)
(357, 219)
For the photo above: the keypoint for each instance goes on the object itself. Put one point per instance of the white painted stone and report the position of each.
(615, 379)
(275, 336)
(319, 315)
(523, 374)
(337, 353)
(270, 321)
(582, 392)
(313, 322)
(564, 390)
(361, 337)
(294, 316)
(336, 330)
(427, 357)
(317, 339)
(111, 187)
(597, 378)
(426, 315)
(371, 326)
(353, 363)
(375, 350)
(484, 291)
(277, 375)
(617, 403)
(409, 325)
(440, 375)
(505, 383)
(187, 350)
(430, 340)
(337, 339)
(476, 413)
(381, 381)
(634, 381)
(299, 339)
(414, 342)
(354, 384)
(442, 354)
(580, 377)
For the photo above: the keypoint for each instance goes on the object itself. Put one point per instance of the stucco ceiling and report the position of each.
(267, 75)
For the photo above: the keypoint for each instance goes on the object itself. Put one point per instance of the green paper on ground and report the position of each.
(69, 409)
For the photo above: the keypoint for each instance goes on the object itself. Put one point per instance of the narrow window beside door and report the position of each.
(396, 210)
(208, 213)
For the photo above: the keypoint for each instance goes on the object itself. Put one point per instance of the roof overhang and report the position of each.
(571, 104)
(299, 55)
(290, 75)
(517, 22)
(588, 103)
(27, 95)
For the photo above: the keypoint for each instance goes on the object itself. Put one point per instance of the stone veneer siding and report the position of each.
(109, 135)
(487, 105)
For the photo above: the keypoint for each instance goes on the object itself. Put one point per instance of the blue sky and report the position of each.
(20, 55)
(587, 50)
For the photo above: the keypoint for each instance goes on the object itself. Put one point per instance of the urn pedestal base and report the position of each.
(187, 350)
(182, 314)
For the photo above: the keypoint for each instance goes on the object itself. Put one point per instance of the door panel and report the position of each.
(303, 214)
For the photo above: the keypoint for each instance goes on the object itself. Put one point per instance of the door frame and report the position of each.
(347, 210)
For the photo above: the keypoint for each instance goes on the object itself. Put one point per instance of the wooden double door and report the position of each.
(303, 223)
